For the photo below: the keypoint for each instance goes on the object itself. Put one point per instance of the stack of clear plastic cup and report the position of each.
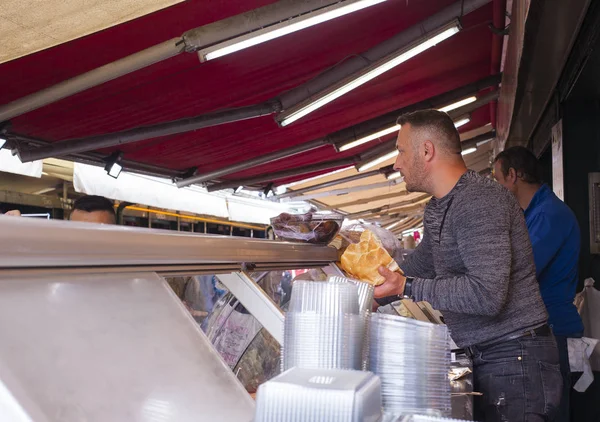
(365, 291)
(322, 395)
(323, 328)
(412, 358)
(365, 303)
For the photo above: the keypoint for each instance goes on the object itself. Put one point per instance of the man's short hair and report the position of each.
(524, 162)
(93, 203)
(435, 121)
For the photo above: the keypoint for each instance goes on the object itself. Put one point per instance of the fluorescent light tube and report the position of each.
(468, 151)
(371, 72)
(369, 138)
(285, 27)
(320, 176)
(461, 122)
(378, 160)
(484, 141)
(394, 175)
(391, 226)
(458, 104)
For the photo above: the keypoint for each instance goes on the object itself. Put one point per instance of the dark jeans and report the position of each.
(520, 380)
(565, 370)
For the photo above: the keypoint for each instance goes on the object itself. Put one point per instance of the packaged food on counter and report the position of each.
(312, 227)
(363, 258)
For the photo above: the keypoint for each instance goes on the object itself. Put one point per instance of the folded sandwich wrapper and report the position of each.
(362, 260)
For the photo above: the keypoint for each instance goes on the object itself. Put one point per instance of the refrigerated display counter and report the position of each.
(92, 331)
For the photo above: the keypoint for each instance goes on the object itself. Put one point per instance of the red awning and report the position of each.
(182, 86)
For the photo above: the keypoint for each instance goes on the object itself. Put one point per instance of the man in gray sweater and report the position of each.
(475, 264)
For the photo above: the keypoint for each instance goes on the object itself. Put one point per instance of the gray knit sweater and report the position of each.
(475, 263)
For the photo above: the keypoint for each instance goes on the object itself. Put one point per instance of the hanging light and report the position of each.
(378, 160)
(394, 175)
(285, 27)
(371, 72)
(391, 226)
(462, 122)
(468, 151)
(113, 165)
(458, 104)
(395, 128)
(369, 138)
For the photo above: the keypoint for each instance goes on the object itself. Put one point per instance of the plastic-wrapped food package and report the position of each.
(352, 233)
(364, 249)
(312, 227)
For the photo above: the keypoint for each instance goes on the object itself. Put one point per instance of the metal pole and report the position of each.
(74, 146)
(92, 78)
(283, 174)
(263, 159)
(95, 158)
(352, 178)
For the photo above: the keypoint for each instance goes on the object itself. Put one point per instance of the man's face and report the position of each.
(505, 181)
(102, 217)
(409, 163)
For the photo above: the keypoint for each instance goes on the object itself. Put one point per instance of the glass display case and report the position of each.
(104, 322)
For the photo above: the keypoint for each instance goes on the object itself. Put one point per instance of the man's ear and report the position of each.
(428, 150)
(512, 175)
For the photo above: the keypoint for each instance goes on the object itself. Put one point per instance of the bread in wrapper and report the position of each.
(362, 260)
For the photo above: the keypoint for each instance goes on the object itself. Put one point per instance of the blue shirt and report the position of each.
(555, 238)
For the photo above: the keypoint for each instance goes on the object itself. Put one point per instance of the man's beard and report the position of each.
(418, 180)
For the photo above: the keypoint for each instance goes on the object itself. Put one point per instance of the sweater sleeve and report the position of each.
(482, 232)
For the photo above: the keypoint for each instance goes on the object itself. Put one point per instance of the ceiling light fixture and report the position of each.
(395, 128)
(369, 73)
(284, 27)
(485, 141)
(468, 151)
(113, 164)
(458, 104)
(462, 122)
(369, 138)
(311, 179)
(391, 226)
(394, 175)
(378, 160)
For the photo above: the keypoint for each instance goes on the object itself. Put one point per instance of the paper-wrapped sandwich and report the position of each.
(362, 260)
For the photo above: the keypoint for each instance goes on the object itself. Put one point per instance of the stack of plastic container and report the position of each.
(309, 395)
(365, 291)
(412, 358)
(323, 328)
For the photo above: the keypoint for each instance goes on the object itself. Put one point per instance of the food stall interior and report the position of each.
(160, 324)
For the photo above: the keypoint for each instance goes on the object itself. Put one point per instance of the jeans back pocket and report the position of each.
(552, 387)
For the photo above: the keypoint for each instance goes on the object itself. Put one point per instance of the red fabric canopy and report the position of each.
(182, 86)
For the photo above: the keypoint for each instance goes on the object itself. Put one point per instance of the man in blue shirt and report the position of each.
(555, 237)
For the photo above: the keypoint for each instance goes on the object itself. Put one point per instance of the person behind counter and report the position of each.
(555, 237)
(475, 264)
(93, 209)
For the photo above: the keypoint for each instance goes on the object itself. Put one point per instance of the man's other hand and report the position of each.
(393, 284)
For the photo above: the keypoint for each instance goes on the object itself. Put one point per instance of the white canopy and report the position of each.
(162, 193)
